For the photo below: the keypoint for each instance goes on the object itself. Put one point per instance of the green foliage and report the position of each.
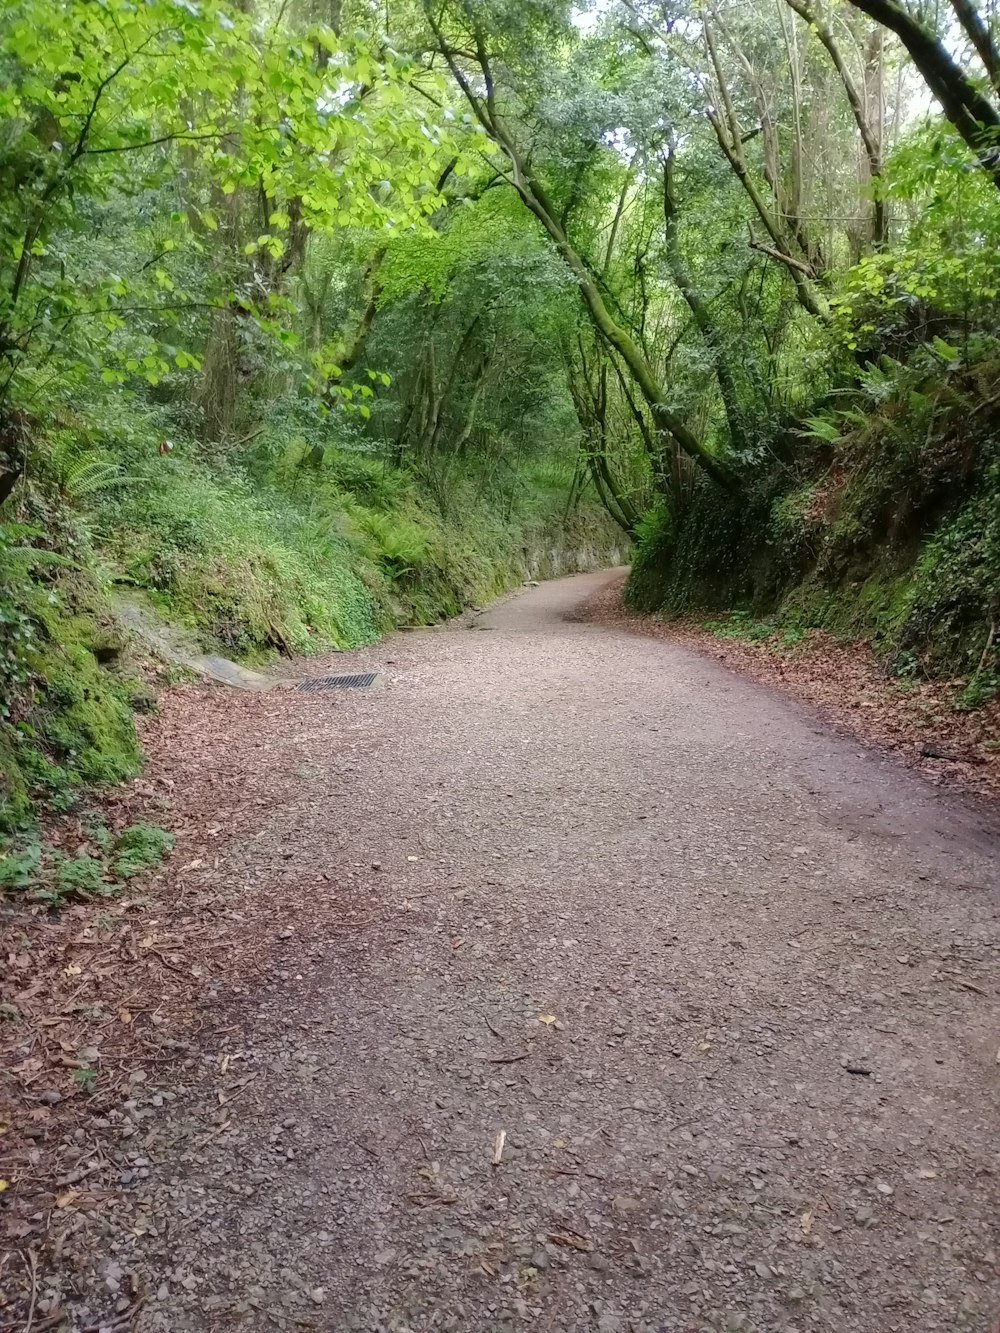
(18, 868)
(52, 879)
(945, 269)
(140, 847)
(86, 1078)
(79, 876)
(250, 105)
(892, 533)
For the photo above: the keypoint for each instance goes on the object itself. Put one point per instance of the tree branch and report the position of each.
(973, 115)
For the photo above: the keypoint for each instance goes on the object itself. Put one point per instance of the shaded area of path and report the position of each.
(727, 986)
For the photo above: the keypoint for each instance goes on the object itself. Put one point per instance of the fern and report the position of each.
(29, 557)
(91, 474)
(821, 429)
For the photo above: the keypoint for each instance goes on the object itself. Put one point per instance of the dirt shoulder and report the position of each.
(917, 721)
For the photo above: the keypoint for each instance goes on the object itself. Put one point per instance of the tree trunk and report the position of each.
(871, 134)
(217, 397)
(785, 242)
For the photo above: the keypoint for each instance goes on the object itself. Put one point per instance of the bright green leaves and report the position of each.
(947, 259)
(194, 90)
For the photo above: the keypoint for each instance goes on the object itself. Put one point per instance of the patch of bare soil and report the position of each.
(917, 721)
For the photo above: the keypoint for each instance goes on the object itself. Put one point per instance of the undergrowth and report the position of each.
(886, 529)
(100, 867)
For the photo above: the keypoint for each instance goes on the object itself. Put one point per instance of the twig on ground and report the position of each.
(31, 1259)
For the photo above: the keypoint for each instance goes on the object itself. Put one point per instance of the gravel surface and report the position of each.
(569, 982)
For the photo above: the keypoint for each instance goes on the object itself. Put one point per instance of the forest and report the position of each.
(323, 316)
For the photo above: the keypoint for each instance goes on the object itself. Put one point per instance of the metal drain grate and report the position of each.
(359, 682)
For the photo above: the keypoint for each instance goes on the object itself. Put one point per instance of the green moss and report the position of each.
(140, 847)
(69, 722)
(80, 713)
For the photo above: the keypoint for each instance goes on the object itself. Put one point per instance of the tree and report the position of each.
(103, 102)
(468, 57)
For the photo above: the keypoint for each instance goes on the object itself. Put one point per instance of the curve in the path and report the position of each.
(726, 984)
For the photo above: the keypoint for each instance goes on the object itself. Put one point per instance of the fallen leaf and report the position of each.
(926, 1173)
(4, 1185)
(72, 971)
(124, 1015)
(547, 1019)
(67, 1198)
(413, 858)
(806, 1223)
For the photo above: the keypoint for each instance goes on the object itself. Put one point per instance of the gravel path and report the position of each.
(572, 982)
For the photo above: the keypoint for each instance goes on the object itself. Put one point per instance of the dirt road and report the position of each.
(570, 982)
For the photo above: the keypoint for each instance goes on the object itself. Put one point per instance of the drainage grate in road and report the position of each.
(359, 682)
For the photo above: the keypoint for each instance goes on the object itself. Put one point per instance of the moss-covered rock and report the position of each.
(68, 721)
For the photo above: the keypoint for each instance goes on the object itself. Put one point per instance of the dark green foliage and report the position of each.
(889, 531)
(18, 868)
(79, 876)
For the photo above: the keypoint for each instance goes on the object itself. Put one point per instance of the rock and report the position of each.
(540, 1260)
(622, 1204)
(317, 1295)
(142, 701)
(762, 1269)
(599, 1263)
